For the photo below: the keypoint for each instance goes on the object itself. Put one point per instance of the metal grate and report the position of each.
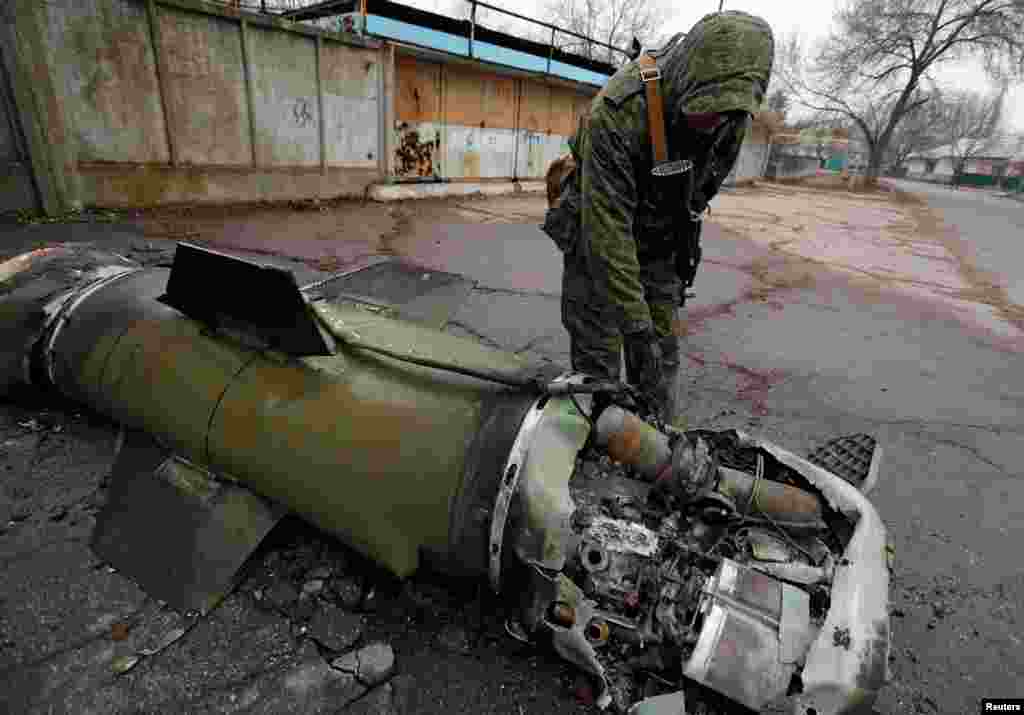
(849, 458)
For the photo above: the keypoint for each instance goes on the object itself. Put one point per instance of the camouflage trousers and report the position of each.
(596, 344)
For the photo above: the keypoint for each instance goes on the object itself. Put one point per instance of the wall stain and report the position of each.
(119, 84)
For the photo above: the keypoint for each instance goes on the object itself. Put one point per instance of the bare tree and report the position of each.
(873, 67)
(919, 130)
(785, 70)
(778, 101)
(970, 123)
(612, 22)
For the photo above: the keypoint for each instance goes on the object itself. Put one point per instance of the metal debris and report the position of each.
(334, 628)
(371, 665)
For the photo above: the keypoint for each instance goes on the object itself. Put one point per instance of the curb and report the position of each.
(403, 192)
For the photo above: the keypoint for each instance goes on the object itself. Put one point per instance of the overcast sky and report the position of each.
(810, 19)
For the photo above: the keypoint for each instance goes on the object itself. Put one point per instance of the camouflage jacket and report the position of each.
(722, 65)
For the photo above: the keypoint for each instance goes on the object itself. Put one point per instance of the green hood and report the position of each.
(722, 64)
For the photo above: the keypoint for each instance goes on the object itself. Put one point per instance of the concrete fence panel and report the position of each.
(351, 79)
(206, 88)
(751, 162)
(284, 87)
(105, 76)
(148, 102)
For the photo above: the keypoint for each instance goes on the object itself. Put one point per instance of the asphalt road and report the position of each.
(776, 346)
(991, 226)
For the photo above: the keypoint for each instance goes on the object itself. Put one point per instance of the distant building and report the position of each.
(1001, 164)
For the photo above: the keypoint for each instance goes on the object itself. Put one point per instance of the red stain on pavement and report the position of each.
(754, 385)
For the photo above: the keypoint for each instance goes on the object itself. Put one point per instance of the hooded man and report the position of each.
(630, 233)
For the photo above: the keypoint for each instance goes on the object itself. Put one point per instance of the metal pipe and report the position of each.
(631, 441)
(753, 497)
(794, 572)
(551, 49)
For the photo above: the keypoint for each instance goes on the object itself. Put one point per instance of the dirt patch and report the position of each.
(882, 240)
(982, 286)
(328, 235)
(839, 182)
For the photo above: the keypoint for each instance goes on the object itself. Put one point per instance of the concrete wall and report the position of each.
(751, 162)
(168, 101)
(753, 156)
(786, 165)
(149, 102)
(462, 122)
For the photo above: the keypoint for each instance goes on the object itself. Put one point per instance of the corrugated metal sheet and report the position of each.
(418, 97)
(479, 99)
(456, 122)
(537, 151)
(474, 153)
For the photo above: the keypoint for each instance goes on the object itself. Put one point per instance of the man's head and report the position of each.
(720, 68)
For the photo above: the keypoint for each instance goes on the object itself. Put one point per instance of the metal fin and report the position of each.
(241, 296)
(175, 529)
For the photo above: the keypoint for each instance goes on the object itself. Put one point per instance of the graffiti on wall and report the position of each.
(302, 113)
(415, 155)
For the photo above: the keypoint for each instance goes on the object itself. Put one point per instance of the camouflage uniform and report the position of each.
(620, 231)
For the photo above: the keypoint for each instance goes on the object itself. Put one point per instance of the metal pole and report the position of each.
(720, 4)
(472, 25)
(551, 49)
(535, 21)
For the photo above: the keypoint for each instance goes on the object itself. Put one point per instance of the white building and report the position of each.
(997, 161)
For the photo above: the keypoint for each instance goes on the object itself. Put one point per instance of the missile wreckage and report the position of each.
(702, 571)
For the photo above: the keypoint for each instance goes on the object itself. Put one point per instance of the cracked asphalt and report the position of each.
(798, 340)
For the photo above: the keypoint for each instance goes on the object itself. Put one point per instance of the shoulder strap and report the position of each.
(650, 75)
